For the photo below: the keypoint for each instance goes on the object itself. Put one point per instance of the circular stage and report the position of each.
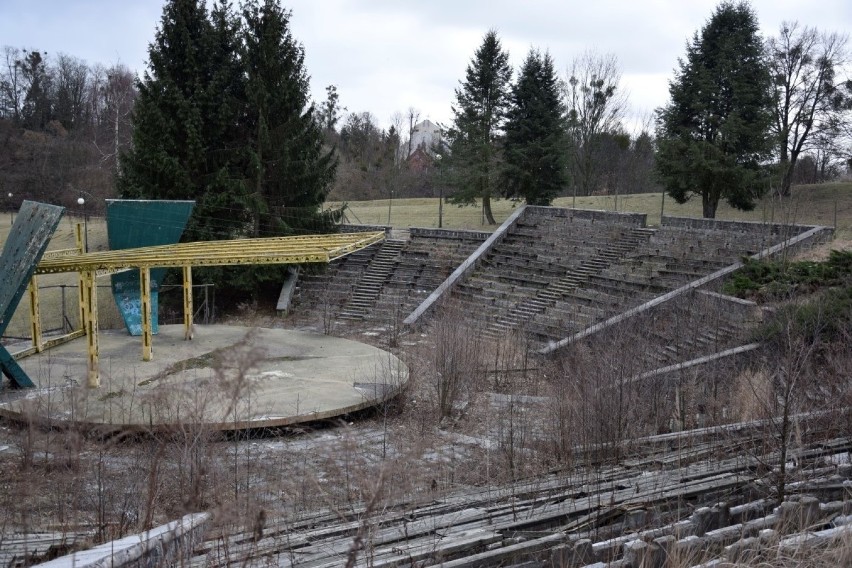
(226, 378)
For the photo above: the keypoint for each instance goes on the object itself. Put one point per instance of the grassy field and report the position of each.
(814, 204)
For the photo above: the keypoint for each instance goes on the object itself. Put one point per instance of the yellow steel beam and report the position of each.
(81, 300)
(35, 315)
(145, 291)
(78, 237)
(276, 250)
(188, 308)
(60, 253)
(89, 290)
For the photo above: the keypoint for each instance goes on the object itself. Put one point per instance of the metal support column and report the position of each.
(78, 233)
(89, 288)
(145, 295)
(188, 308)
(35, 315)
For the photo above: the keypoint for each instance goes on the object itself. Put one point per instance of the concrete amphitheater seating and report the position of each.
(388, 280)
(550, 272)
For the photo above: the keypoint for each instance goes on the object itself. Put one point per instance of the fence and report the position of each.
(60, 312)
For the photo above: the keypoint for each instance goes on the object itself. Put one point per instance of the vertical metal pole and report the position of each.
(90, 325)
(81, 300)
(441, 207)
(35, 315)
(145, 295)
(64, 310)
(187, 302)
(206, 304)
(835, 217)
(78, 235)
(662, 207)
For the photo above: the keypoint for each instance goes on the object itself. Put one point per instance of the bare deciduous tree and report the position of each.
(596, 107)
(111, 98)
(808, 101)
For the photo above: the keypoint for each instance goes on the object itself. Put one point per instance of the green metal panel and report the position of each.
(22, 251)
(133, 223)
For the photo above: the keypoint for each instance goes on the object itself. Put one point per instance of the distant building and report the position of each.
(425, 135)
(420, 160)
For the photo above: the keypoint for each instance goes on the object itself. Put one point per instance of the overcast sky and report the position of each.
(389, 55)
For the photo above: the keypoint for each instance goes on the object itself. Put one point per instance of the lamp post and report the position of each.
(11, 210)
(82, 203)
(440, 192)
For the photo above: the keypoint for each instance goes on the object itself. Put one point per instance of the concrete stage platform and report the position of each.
(227, 378)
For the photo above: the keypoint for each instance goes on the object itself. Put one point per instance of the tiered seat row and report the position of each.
(538, 251)
(425, 262)
(551, 272)
(333, 284)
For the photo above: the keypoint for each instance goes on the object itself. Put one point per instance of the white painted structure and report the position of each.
(426, 134)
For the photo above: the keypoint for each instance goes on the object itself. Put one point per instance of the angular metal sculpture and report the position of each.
(24, 247)
(134, 223)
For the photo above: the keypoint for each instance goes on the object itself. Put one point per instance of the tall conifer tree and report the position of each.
(224, 117)
(534, 149)
(479, 112)
(713, 137)
(290, 171)
(184, 115)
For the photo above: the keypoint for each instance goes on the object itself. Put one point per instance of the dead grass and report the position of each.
(815, 204)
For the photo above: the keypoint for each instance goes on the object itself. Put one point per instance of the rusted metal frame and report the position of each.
(187, 302)
(247, 251)
(90, 326)
(35, 315)
(145, 291)
(362, 243)
(49, 343)
(92, 265)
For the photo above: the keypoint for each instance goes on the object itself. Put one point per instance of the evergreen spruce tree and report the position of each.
(183, 145)
(474, 137)
(223, 117)
(534, 148)
(714, 134)
(290, 171)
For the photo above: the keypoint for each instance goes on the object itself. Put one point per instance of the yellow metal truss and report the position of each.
(276, 250)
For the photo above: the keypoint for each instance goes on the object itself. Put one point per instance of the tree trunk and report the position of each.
(787, 167)
(486, 209)
(709, 204)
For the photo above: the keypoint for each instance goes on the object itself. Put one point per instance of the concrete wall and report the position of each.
(348, 228)
(458, 234)
(752, 227)
(631, 219)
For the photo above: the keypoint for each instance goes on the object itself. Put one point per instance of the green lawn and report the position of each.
(815, 204)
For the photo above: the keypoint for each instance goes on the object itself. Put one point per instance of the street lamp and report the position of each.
(440, 192)
(11, 210)
(82, 203)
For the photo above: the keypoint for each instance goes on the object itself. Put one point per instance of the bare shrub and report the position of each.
(457, 364)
